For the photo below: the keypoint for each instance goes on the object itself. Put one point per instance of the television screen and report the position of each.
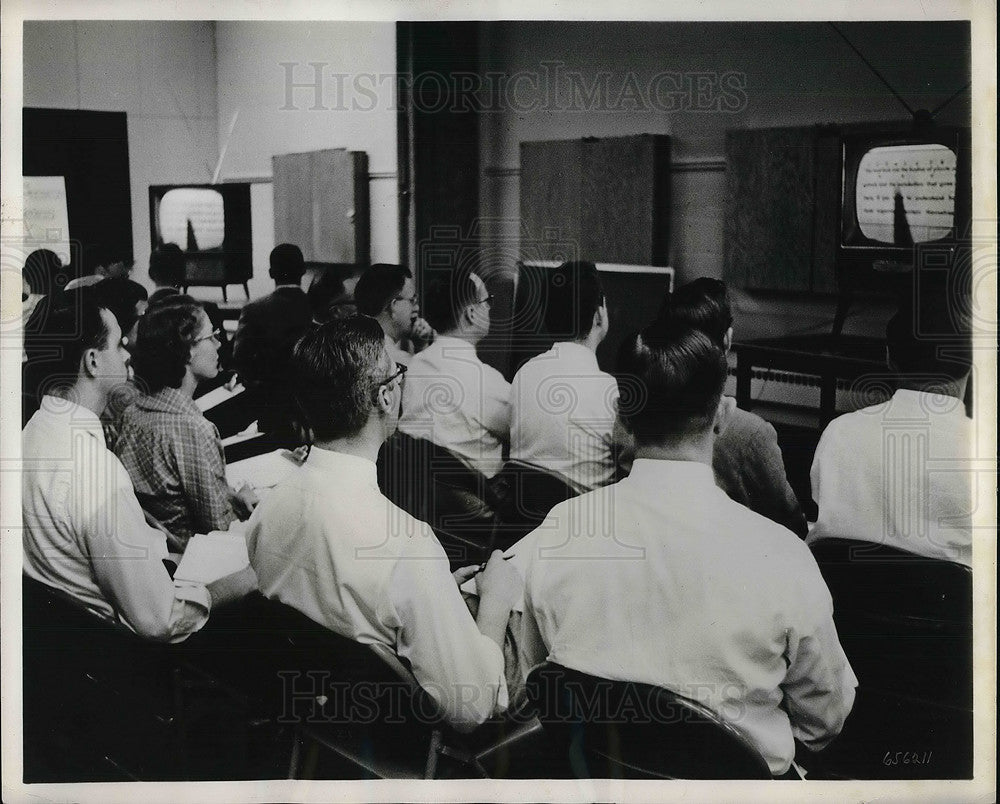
(902, 190)
(905, 194)
(211, 225)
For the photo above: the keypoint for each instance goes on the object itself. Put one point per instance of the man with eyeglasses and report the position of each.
(452, 398)
(84, 531)
(388, 294)
(327, 542)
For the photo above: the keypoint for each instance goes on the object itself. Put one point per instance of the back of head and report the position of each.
(44, 271)
(378, 285)
(65, 325)
(107, 260)
(926, 346)
(329, 299)
(702, 304)
(166, 335)
(287, 264)
(167, 265)
(574, 294)
(446, 296)
(336, 368)
(120, 296)
(671, 379)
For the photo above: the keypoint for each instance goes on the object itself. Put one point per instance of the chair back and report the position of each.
(433, 485)
(600, 728)
(523, 494)
(905, 623)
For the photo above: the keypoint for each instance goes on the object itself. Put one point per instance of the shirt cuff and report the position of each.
(193, 593)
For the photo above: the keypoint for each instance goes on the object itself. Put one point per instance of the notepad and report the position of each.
(217, 396)
(262, 472)
(210, 556)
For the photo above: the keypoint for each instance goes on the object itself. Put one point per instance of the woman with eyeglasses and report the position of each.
(171, 451)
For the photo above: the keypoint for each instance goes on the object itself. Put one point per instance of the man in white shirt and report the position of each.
(388, 294)
(900, 472)
(451, 397)
(326, 541)
(662, 579)
(84, 531)
(563, 407)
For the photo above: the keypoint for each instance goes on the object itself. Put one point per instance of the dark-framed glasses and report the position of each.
(399, 372)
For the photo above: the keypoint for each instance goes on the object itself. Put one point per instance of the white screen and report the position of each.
(924, 175)
(201, 206)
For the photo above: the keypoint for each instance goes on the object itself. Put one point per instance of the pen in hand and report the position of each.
(483, 565)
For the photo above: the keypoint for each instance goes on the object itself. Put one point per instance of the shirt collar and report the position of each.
(691, 476)
(82, 419)
(346, 467)
(921, 403)
(451, 343)
(577, 352)
(168, 400)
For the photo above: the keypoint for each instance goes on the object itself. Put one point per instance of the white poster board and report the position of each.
(46, 219)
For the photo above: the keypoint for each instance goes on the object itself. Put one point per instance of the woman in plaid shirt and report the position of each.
(171, 451)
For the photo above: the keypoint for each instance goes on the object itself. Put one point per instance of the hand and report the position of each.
(421, 333)
(500, 581)
(244, 501)
(233, 382)
(462, 574)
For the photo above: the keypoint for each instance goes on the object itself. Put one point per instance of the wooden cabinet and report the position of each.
(604, 200)
(782, 200)
(321, 205)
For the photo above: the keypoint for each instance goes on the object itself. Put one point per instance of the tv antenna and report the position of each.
(922, 119)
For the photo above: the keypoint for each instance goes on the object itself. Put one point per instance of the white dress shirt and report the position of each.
(453, 399)
(396, 353)
(563, 416)
(662, 579)
(85, 533)
(326, 542)
(899, 473)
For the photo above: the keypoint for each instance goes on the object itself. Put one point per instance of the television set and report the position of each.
(211, 225)
(904, 189)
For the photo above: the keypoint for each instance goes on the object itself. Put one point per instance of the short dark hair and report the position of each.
(287, 264)
(670, 378)
(702, 304)
(45, 272)
(166, 334)
(378, 286)
(926, 344)
(446, 296)
(120, 296)
(335, 371)
(65, 324)
(97, 256)
(167, 265)
(329, 299)
(574, 295)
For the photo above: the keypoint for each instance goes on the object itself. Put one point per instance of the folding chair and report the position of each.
(600, 728)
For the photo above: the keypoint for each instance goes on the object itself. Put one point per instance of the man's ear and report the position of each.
(383, 399)
(89, 362)
(723, 414)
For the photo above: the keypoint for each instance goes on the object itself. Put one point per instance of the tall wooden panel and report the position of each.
(605, 200)
(782, 200)
(321, 204)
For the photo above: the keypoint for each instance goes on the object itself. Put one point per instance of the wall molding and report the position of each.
(381, 175)
(680, 166)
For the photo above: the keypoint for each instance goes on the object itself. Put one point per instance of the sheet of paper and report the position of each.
(262, 472)
(217, 396)
(518, 553)
(210, 556)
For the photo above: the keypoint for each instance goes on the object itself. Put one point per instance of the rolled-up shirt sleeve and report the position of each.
(819, 687)
(451, 659)
(126, 556)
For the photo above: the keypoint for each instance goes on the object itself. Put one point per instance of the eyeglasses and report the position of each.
(400, 372)
(411, 299)
(488, 301)
(214, 334)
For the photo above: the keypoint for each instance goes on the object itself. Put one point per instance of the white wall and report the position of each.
(252, 81)
(792, 75)
(162, 74)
